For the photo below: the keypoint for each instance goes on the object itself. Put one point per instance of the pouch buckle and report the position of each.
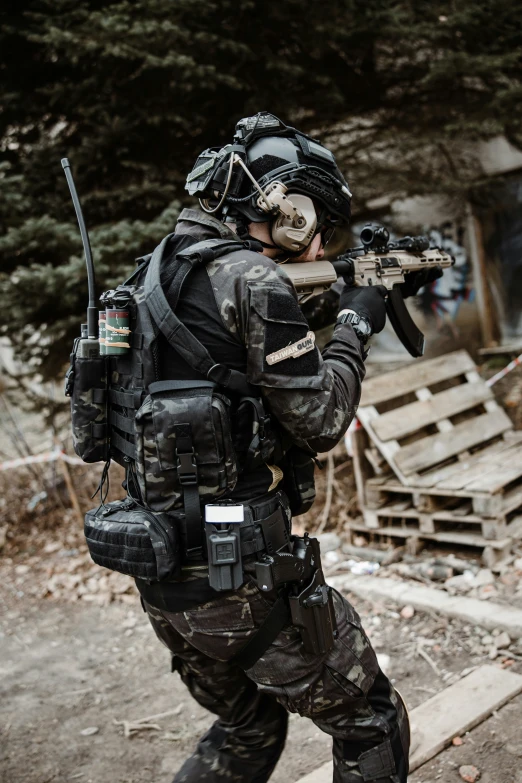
(187, 469)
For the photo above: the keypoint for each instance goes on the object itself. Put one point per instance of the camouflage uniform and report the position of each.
(313, 398)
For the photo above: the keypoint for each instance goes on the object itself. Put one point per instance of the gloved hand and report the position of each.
(414, 281)
(366, 301)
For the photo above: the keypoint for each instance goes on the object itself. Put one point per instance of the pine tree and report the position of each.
(131, 91)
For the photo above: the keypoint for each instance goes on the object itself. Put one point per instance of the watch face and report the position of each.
(364, 327)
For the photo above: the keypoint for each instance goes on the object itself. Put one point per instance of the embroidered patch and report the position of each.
(294, 350)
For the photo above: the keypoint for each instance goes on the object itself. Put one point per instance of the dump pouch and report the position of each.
(86, 385)
(183, 438)
(127, 538)
(298, 468)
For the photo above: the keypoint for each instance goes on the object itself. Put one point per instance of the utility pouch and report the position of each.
(312, 609)
(86, 385)
(222, 529)
(127, 538)
(298, 483)
(183, 440)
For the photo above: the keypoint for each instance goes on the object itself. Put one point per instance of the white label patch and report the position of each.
(294, 350)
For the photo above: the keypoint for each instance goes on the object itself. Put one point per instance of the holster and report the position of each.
(311, 607)
(313, 613)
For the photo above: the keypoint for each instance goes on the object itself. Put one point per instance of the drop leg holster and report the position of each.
(304, 599)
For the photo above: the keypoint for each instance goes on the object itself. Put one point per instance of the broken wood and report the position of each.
(449, 714)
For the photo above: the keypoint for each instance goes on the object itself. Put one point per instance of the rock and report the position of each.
(457, 741)
(514, 750)
(384, 662)
(3, 536)
(407, 612)
(493, 653)
(484, 577)
(469, 773)
(462, 583)
(518, 564)
(329, 542)
(89, 731)
(502, 641)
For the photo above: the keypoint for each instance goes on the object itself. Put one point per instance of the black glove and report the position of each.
(414, 281)
(368, 302)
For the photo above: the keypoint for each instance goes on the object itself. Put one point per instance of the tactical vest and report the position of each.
(174, 437)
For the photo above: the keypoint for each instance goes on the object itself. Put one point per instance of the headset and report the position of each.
(220, 175)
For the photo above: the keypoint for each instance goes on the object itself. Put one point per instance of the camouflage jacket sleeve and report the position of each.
(321, 311)
(313, 396)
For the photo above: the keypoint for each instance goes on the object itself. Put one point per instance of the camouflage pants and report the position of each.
(343, 692)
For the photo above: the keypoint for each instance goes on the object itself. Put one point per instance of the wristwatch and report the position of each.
(361, 326)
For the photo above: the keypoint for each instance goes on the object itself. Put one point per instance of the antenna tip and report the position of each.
(65, 163)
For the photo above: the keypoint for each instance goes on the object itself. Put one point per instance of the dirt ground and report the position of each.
(73, 667)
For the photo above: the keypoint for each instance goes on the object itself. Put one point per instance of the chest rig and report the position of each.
(175, 438)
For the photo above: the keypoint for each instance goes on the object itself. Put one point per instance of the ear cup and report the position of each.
(295, 235)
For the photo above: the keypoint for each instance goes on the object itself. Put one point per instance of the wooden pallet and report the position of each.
(491, 551)
(460, 519)
(429, 417)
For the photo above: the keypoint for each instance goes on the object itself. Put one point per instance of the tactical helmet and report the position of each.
(270, 172)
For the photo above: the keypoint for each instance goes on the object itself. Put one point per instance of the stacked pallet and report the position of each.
(438, 458)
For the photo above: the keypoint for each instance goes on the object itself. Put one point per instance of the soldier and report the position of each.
(285, 193)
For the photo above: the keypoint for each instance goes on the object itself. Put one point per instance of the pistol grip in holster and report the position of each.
(313, 613)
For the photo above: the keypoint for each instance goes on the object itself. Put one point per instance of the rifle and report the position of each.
(377, 261)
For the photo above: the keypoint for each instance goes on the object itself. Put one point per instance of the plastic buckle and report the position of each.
(187, 469)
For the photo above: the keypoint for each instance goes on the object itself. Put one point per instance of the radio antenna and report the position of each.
(92, 310)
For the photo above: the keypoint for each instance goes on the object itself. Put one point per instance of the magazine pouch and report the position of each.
(183, 441)
(127, 538)
(86, 385)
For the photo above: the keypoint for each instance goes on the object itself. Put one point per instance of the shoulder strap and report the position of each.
(177, 334)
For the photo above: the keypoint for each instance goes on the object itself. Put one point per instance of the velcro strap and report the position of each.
(123, 423)
(136, 340)
(125, 399)
(120, 444)
(98, 431)
(99, 396)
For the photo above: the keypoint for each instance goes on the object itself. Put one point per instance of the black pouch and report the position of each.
(298, 483)
(183, 428)
(86, 385)
(127, 538)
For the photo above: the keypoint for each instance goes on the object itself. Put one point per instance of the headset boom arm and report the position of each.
(372, 268)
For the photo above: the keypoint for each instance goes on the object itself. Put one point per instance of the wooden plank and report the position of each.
(410, 418)
(458, 709)
(436, 448)
(479, 466)
(502, 474)
(450, 713)
(367, 416)
(438, 478)
(361, 469)
(447, 537)
(408, 379)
